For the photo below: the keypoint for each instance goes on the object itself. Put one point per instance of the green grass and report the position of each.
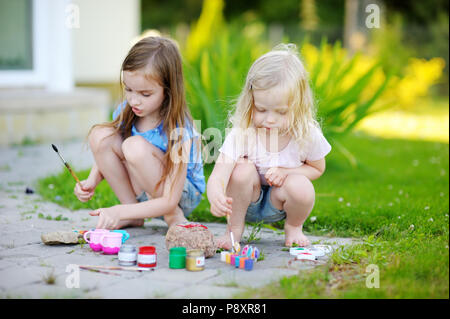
(396, 184)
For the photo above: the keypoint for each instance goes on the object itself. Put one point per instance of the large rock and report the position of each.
(60, 237)
(191, 236)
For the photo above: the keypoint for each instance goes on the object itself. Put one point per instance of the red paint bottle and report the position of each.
(147, 257)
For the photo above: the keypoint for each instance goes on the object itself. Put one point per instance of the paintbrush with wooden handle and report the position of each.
(67, 165)
(116, 268)
(235, 247)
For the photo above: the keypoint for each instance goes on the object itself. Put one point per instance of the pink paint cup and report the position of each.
(111, 243)
(94, 238)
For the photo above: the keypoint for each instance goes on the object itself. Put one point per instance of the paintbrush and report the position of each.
(67, 165)
(99, 271)
(117, 268)
(233, 247)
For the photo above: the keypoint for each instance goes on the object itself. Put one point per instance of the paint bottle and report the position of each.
(177, 257)
(248, 264)
(127, 255)
(147, 256)
(232, 259)
(242, 262)
(237, 260)
(195, 260)
(223, 256)
(228, 258)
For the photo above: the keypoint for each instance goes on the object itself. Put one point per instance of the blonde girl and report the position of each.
(274, 150)
(149, 154)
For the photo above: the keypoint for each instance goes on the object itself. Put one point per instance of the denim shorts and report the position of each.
(263, 210)
(190, 198)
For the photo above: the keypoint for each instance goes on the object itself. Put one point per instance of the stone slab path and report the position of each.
(27, 266)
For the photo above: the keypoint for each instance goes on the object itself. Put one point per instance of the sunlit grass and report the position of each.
(428, 120)
(396, 200)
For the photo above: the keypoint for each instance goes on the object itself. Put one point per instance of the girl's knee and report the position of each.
(101, 138)
(244, 173)
(136, 149)
(299, 188)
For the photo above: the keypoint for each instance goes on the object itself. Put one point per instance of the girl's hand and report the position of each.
(86, 191)
(275, 176)
(220, 205)
(109, 218)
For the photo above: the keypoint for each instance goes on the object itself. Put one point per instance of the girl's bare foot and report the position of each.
(224, 241)
(130, 223)
(294, 235)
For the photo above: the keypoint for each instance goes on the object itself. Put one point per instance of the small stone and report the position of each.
(60, 237)
(191, 236)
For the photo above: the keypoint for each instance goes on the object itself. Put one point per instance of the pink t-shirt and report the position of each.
(291, 156)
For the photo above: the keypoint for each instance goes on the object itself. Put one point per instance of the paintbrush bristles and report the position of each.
(67, 165)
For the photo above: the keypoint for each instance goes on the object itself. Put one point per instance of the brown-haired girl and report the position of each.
(149, 154)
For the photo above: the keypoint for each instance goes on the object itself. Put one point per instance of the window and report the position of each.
(16, 51)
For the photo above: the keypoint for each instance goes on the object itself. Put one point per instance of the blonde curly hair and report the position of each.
(281, 68)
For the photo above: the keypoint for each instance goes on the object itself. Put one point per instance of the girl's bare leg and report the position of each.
(144, 163)
(107, 151)
(244, 187)
(296, 196)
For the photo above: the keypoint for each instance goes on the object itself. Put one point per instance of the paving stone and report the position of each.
(19, 276)
(25, 261)
(203, 291)
(143, 287)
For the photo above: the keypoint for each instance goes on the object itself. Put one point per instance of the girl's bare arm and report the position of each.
(95, 175)
(312, 170)
(217, 185)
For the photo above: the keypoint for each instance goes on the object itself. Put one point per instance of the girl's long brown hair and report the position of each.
(161, 61)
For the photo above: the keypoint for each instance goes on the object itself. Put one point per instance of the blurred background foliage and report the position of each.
(390, 67)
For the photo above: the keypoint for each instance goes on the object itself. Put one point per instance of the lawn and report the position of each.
(396, 200)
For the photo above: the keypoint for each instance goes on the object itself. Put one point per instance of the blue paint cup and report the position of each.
(124, 233)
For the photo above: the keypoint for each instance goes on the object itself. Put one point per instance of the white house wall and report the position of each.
(103, 37)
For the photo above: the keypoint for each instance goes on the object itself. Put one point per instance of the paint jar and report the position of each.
(237, 260)
(177, 257)
(233, 259)
(195, 260)
(248, 264)
(228, 258)
(127, 255)
(147, 256)
(242, 262)
(223, 256)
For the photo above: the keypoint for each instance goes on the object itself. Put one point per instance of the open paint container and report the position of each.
(177, 257)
